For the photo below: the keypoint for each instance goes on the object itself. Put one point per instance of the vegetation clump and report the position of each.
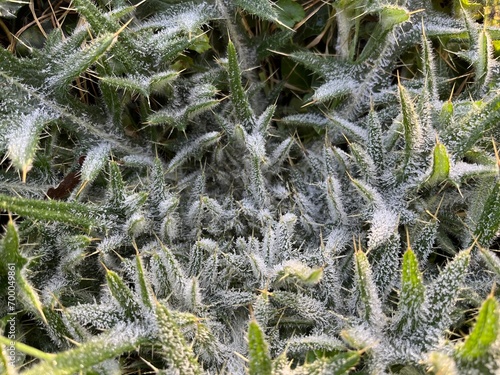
(249, 187)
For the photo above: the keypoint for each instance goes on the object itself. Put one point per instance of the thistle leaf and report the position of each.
(412, 130)
(90, 353)
(173, 345)
(258, 353)
(116, 186)
(484, 333)
(412, 295)
(77, 63)
(69, 213)
(375, 147)
(339, 364)
(442, 293)
(22, 140)
(440, 165)
(489, 221)
(123, 295)
(261, 8)
(241, 105)
(193, 148)
(10, 252)
(94, 162)
(370, 306)
(142, 284)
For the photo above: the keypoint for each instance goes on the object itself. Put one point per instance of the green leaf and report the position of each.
(14, 265)
(86, 355)
(472, 126)
(290, 12)
(240, 101)
(258, 352)
(143, 285)
(339, 364)
(173, 345)
(411, 128)
(431, 93)
(391, 16)
(412, 294)
(261, 8)
(69, 213)
(116, 186)
(10, 252)
(440, 165)
(102, 23)
(484, 333)
(123, 295)
(489, 221)
(299, 272)
(371, 307)
(201, 44)
(491, 259)
(26, 290)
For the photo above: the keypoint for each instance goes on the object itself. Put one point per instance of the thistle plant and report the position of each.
(170, 208)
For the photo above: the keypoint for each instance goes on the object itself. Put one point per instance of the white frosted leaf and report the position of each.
(384, 224)
(95, 161)
(23, 139)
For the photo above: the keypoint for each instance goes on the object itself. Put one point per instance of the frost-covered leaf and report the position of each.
(173, 345)
(123, 295)
(441, 295)
(239, 97)
(92, 352)
(261, 8)
(193, 148)
(370, 307)
(333, 89)
(339, 364)
(22, 140)
(412, 130)
(384, 224)
(375, 147)
(70, 213)
(77, 63)
(95, 161)
(489, 221)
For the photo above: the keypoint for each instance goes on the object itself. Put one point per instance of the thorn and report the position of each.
(84, 183)
(408, 245)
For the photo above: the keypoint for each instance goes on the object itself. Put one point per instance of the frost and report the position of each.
(384, 224)
(308, 120)
(95, 161)
(187, 18)
(334, 88)
(461, 170)
(22, 140)
(138, 161)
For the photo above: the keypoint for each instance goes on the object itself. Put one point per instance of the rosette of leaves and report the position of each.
(198, 218)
